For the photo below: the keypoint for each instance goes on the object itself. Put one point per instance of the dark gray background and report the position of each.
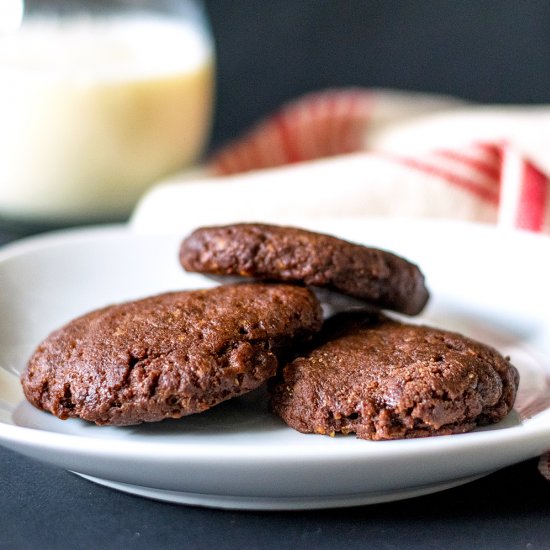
(270, 51)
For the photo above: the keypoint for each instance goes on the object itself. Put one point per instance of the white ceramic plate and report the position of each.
(488, 284)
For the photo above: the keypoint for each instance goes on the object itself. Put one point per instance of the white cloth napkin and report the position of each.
(369, 153)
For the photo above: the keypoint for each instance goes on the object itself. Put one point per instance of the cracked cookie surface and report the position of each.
(290, 254)
(169, 355)
(383, 379)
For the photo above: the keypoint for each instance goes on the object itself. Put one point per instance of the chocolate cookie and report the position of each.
(387, 380)
(289, 254)
(169, 355)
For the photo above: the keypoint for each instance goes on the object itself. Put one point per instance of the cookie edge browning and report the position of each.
(329, 419)
(379, 277)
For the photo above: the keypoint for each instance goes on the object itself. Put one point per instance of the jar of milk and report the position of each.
(99, 99)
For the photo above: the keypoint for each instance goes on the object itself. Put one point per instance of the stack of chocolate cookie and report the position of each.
(359, 371)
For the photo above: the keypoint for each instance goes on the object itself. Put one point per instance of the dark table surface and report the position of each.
(45, 507)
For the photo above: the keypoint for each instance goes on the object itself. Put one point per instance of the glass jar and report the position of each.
(99, 99)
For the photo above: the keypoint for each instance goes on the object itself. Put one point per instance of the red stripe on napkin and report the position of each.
(533, 199)
(493, 149)
(288, 139)
(524, 192)
(490, 169)
(433, 169)
(320, 124)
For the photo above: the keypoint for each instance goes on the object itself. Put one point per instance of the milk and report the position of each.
(93, 111)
